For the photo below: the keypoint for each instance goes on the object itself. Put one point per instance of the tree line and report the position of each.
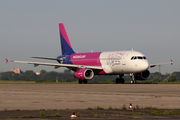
(68, 76)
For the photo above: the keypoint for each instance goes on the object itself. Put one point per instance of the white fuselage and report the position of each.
(123, 62)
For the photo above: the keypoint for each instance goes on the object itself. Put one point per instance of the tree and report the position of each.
(177, 75)
(43, 72)
(29, 75)
(7, 75)
(67, 71)
(156, 79)
(171, 78)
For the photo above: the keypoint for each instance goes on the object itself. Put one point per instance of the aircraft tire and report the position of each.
(117, 80)
(133, 82)
(80, 81)
(85, 81)
(122, 80)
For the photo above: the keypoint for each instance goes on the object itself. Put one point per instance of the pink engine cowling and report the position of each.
(142, 76)
(84, 74)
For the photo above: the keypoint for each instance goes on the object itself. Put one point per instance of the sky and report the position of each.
(30, 28)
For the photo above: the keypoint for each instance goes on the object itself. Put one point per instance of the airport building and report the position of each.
(17, 70)
(37, 73)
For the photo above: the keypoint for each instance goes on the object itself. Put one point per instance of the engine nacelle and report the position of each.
(84, 74)
(142, 76)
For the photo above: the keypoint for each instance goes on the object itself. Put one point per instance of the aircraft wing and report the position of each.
(57, 65)
(47, 58)
(158, 64)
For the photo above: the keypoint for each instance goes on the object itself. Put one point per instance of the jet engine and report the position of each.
(84, 74)
(142, 76)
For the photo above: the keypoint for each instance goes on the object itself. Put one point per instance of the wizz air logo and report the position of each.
(114, 59)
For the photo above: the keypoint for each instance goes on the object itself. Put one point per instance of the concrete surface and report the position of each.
(74, 96)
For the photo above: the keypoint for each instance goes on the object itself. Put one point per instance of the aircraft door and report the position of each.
(124, 59)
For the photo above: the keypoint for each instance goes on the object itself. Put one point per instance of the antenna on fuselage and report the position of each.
(132, 49)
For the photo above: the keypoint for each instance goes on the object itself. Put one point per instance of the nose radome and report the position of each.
(145, 65)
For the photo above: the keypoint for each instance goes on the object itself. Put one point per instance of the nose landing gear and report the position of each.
(133, 81)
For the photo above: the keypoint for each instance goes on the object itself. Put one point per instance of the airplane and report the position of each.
(86, 65)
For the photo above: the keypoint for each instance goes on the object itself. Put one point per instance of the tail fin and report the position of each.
(65, 43)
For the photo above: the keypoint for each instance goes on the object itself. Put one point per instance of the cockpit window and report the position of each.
(138, 57)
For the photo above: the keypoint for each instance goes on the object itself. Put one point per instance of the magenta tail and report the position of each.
(65, 43)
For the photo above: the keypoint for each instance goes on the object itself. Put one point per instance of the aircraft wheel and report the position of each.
(122, 80)
(85, 81)
(133, 82)
(117, 80)
(80, 81)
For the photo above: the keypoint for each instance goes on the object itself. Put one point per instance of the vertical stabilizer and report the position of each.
(65, 43)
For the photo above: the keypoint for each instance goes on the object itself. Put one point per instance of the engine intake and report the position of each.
(142, 76)
(84, 74)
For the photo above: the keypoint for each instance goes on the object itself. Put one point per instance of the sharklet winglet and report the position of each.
(172, 62)
(7, 60)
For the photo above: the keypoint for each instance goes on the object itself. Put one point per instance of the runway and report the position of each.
(82, 96)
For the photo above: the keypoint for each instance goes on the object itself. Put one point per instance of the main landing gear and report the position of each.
(120, 79)
(83, 81)
(133, 81)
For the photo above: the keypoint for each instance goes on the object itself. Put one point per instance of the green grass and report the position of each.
(124, 107)
(97, 115)
(57, 83)
(140, 113)
(109, 108)
(151, 108)
(102, 82)
(98, 108)
(137, 107)
(34, 82)
(89, 108)
(176, 82)
(132, 117)
(56, 115)
(153, 111)
(29, 116)
(42, 114)
(17, 110)
(165, 112)
(42, 110)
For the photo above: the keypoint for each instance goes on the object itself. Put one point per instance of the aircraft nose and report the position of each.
(144, 65)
